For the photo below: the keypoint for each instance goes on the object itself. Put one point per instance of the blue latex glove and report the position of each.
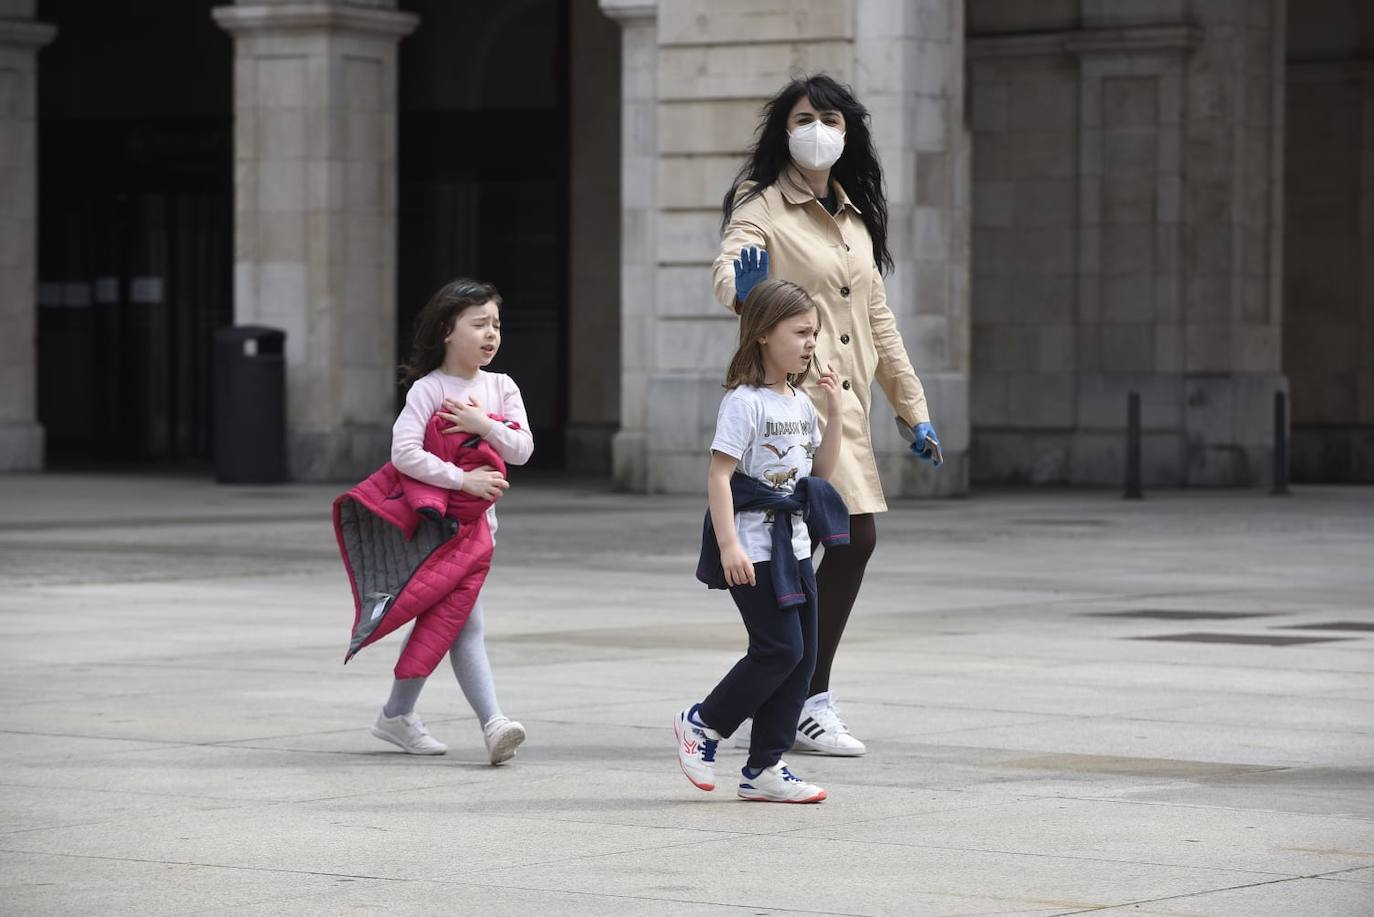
(922, 430)
(750, 267)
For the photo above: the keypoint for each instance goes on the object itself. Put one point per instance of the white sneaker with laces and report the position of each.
(502, 735)
(821, 731)
(696, 750)
(778, 784)
(408, 732)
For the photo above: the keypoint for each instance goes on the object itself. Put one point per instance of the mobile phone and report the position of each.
(932, 446)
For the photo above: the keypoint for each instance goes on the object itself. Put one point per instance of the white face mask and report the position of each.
(816, 146)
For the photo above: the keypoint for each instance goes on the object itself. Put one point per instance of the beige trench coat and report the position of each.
(832, 259)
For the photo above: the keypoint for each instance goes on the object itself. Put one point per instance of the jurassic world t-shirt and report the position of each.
(774, 437)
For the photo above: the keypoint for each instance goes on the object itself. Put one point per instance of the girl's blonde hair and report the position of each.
(770, 302)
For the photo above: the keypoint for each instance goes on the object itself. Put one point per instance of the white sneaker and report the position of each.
(409, 732)
(696, 751)
(778, 784)
(821, 731)
(744, 734)
(503, 735)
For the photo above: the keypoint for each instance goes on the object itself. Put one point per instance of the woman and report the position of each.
(808, 207)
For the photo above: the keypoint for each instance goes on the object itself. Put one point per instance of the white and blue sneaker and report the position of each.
(696, 748)
(778, 784)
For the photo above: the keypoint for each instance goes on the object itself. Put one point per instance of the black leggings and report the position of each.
(838, 579)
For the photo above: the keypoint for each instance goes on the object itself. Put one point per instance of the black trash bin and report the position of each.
(250, 405)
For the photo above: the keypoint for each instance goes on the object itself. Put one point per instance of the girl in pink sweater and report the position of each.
(457, 334)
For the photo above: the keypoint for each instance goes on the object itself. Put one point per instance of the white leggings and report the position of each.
(468, 656)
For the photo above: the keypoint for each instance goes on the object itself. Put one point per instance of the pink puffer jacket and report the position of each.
(407, 565)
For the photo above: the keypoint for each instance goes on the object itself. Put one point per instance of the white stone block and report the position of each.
(930, 124)
(362, 85)
(363, 186)
(280, 185)
(932, 232)
(362, 134)
(698, 22)
(364, 238)
(936, 19)
(882, 19)
(675, 410)
(686, 292)
(747, 71)
(688, 237)
(280, 134)
(715, 126)
(695, 182)
(695, 345)
(280, 236)
(280, 82)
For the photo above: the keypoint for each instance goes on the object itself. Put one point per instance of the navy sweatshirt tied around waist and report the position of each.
(821, 506)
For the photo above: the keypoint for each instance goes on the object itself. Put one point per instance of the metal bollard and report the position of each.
(1280, 488)
(1133, 491)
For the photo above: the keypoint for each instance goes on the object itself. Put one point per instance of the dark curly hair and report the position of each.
(435, 322)
(857, 170)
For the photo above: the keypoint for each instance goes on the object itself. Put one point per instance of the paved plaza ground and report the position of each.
(1072, 704)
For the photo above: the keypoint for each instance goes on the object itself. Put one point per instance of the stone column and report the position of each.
(21, 436)
(315, 216)
(909, 72)
(594, 256)
(638, 233)
(1232, 225)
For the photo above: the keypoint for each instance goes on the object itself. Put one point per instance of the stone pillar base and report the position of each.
(1228, 422)
(630, 461)
(1226, 440)
(346, 454)
(915, 478)
(21, 447)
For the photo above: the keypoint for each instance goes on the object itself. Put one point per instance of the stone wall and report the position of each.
(594, 239)
(1127, 170)
(1329, 296)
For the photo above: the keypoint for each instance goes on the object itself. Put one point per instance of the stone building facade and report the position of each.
(1087, 198)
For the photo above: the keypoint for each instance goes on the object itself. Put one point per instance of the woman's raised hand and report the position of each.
(751, 267)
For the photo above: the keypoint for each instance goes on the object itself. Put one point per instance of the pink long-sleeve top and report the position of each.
(497, 393)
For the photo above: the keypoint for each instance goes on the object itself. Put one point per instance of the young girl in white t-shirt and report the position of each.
(457, 334)
(767, 430)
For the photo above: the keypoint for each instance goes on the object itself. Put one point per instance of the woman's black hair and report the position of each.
(857, 170)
